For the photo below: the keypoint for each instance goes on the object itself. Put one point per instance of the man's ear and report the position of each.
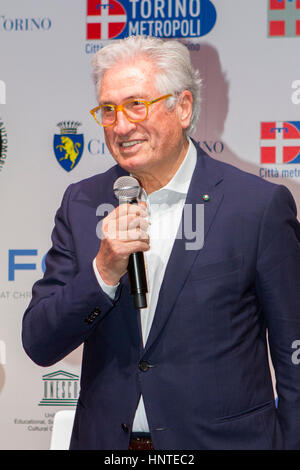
(185, 107)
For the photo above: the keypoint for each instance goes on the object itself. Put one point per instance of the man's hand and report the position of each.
(124, 231)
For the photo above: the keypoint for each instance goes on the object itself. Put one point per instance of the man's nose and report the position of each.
(122, 125)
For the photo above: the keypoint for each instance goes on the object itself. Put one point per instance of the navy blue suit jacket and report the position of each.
(209, 384)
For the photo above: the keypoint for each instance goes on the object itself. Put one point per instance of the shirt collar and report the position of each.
(181, 180)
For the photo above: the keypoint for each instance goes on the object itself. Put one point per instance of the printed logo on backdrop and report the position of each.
(3, 145)
(24, 24)
(117, 19)
(68, 145)
(21, 261)
(14, 263)
(2, 92)
(284, 18)
(60, 389)
(280, 145)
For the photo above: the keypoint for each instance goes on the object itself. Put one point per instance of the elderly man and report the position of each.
(191, 370)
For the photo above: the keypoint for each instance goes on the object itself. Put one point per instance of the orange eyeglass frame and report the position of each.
(121, 107)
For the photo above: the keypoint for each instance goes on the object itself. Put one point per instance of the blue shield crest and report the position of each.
(68, 149)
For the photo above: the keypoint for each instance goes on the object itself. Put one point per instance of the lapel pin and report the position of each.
(206, 197)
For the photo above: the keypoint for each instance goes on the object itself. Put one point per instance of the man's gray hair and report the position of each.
(175, 72)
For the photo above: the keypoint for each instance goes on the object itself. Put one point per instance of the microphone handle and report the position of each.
(137, 273)
(137, 279)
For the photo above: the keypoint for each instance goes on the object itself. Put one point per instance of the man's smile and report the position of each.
(130, 143)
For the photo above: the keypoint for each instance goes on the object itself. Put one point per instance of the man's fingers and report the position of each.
(125, 218)
(138, 222)
(129, 209)
(138, 234)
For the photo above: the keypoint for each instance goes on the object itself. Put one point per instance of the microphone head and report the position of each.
(126, 188)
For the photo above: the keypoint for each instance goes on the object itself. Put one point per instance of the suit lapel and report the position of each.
(205, 181)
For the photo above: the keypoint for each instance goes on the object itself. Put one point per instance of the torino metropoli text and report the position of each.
(167, 18)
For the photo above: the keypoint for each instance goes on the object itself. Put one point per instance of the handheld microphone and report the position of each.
(127, 191)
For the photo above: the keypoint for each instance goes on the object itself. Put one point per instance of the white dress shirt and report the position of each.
(165, 210)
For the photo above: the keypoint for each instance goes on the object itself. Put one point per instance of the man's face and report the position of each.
(151, 147)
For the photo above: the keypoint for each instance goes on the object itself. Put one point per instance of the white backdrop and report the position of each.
(249, 78)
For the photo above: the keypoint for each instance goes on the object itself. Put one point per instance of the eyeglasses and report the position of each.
(135, 110)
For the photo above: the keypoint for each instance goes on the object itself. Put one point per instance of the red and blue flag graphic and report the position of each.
(105, 19)
(284, 18)
(280, 142)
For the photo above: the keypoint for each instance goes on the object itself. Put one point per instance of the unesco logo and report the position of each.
(60, 388)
